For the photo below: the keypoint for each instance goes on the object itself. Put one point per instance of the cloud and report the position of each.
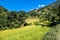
(41, 5)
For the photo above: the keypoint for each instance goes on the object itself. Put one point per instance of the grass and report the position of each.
(53, 34)
(32, 20)
(25, 33)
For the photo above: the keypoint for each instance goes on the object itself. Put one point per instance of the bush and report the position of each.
(52, 34)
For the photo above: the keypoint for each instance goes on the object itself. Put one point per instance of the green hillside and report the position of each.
(14, 19)
(26, 33)
(37, 24)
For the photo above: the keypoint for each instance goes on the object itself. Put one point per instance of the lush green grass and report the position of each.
(26, 33)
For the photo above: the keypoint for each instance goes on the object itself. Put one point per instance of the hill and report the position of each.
(26, 33)
(32, 25)
(14, 19)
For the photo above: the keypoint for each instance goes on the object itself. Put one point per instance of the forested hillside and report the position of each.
(46, 16)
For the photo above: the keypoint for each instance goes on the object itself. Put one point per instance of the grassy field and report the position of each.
(25, 33)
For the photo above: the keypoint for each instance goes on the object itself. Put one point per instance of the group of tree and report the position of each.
(11, 19)
(48, 15)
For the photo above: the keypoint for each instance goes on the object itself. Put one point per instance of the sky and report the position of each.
(26, 5)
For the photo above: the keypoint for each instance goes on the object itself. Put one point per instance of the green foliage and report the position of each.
(14, 19)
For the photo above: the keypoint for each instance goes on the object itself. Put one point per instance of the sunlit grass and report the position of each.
(26, 33)
(32, 20)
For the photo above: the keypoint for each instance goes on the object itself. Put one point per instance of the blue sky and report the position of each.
(26, 5)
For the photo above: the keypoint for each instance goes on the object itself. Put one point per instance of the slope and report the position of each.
(26, 33)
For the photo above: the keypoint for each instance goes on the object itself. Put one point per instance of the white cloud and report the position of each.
(41, 5)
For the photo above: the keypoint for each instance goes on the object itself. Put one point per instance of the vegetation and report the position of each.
(35, 24)
(26, 33)
(13, 19)
(53, 34)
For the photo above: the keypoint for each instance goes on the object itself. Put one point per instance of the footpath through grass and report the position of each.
(25, 33)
